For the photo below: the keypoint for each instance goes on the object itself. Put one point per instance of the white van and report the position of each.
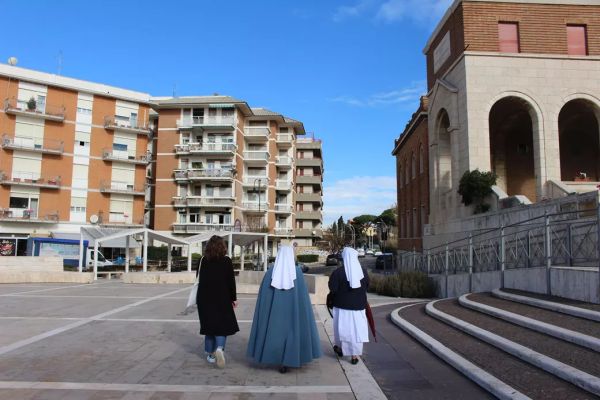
(102, 261)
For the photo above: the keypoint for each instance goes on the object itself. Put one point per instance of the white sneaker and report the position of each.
(211, 359)
(220, 356)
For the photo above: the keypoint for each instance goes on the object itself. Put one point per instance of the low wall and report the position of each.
(46, 277)
(572, 283)
(31, 264)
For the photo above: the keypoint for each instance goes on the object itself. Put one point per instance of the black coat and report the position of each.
(343, 295)
(216, 292)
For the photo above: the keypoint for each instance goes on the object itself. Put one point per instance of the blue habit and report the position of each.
(284, 332)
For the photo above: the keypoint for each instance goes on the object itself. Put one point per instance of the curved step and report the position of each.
(533, 324)
(487, 381)
(549, 305)
(573, 375)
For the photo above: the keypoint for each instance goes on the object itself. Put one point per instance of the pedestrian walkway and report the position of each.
(116, 341)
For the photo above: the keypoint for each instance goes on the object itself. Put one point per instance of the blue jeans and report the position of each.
(212, 342)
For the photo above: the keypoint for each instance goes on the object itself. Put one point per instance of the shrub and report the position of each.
(403, 284)
(307, 258)
(474, 187)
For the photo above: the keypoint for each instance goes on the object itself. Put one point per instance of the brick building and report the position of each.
(514, 88)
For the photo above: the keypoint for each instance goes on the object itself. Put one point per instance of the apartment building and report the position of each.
(73, 152)
(513, 89)
(223, 165)
(309, 188)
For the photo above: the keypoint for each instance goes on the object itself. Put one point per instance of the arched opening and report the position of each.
(444, 152)
(579, 141)
(511, 146)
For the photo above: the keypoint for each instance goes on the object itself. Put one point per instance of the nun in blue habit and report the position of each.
(284, 332)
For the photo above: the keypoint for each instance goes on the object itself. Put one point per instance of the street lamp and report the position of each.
(257, 188)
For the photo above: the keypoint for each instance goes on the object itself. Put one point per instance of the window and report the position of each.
(413, 166)
(414, 221)
(400, 175)
(406, 172)
(19, 202)
(421, 160)
(508, 37)
(119, 147)
(577, 40)
(423, 216)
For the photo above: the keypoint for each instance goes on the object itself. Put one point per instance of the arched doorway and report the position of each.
(511, 146)
(579, 141)
(444, 152)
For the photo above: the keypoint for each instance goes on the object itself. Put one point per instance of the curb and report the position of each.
(549, 305)
(567, 335)
(570, 374)
(487, 381)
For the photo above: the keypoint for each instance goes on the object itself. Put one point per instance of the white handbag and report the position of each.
(194, 291)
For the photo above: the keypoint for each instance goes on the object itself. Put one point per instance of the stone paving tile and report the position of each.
(57, 307)
(14, 330)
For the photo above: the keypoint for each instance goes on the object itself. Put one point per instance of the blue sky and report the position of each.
(352, 71)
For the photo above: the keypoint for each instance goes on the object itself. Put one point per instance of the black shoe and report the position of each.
(338, 351)
(283, 370)
(354, 361)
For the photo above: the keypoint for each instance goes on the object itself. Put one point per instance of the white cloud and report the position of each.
(409, 94)
(358, 195)
(420, 11)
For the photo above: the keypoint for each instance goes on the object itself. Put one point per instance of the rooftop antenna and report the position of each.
(60, 62)
(174, 90)
(12, 61)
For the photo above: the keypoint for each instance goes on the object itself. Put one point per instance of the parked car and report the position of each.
(333, 259)
(361, 252)
(378, 253)
(385, 261)
(370, 252)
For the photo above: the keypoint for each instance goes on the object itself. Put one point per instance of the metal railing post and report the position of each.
(528, 253)
(414, 259)
(470, 262)
(446, 270)
(548, 251)
(428, 262)
(502, 256)
(569, 234)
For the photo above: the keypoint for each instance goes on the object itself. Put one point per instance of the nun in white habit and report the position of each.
(348, 285)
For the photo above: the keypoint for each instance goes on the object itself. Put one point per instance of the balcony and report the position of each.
(284, 162)
(311, 215)
(197, 228)
(257, 133)
(203, 201)
(180, 175)
(122, 188)
(253, 180)
(284, 185)
(256, 157)
(27, 216)
(309, 180)
(283, 208)
(309, 197)
(308, 144)
(285, 140)
(309, 162)
(29, 179)
(124, 124)
(210, 174)
(227, 149)
(32, 144)
(255, 207)
(34, 110)
(125, 157)
(121, 221)
(308, 233)
(226, 122)
(284, 231)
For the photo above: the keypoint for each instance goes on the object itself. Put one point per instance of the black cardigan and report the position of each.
(343, 295)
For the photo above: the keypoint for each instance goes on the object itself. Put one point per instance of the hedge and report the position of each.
(403, 284)
(307, 258)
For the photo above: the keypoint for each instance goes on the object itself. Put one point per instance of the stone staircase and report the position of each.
(516, 345)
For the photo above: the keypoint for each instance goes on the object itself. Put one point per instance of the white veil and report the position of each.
(284, 271)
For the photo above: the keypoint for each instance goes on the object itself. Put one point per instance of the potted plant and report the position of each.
(31, 104)
(474, 187)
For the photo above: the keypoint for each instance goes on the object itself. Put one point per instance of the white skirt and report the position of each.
(350, 330)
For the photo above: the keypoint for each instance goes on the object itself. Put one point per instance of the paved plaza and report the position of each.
(115, 341)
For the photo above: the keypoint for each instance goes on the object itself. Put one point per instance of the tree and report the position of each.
(474, 187)
(389, 216)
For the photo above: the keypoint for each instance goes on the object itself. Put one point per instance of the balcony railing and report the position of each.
(283, 185)
(251, 180)
(309, 162)
(125, 156)
(34, 109)
(209, 173)
(309, 197)
(256, 155)
(200, 227)
(125, 124)
(209, 148)
(257, 132)
(211, 120)
(203, 201)
(284, 231)
(255, 206)
(285, 208)
(284, 161)
(27, 215)
(122, 188)
(309, 179)
(285, 138)
(29, 179)
(33, 144)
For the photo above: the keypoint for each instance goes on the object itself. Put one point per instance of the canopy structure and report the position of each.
(110, 237)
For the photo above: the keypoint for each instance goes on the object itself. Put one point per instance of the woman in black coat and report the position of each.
(216, 300)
